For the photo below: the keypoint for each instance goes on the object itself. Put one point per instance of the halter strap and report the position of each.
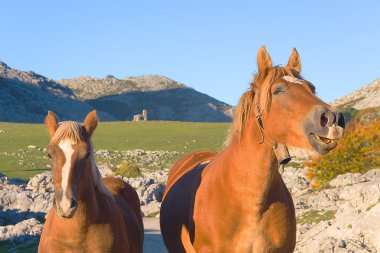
(280, 150)
(258, 115)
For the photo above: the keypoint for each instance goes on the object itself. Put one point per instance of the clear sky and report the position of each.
(208, 45)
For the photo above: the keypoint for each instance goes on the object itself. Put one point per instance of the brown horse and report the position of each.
(89, 214)
(236, 200)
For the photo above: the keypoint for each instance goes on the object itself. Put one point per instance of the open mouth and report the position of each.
(322, 144)
(323, 139)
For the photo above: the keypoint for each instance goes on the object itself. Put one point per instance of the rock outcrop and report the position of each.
(26, 97)
(366, 97)
(86, 87)
(341, 218)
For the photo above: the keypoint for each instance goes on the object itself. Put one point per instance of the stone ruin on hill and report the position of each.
(141, 117)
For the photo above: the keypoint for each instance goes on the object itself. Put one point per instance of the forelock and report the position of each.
(68, 130)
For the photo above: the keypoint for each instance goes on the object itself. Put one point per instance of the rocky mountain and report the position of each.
(365, 97)
(164, 98)
(180, 104)
(86, 87)
(26, 96)
(362, 104)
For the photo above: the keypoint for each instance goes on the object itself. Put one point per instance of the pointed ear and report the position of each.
(264, 62)
(51, 122)
(90, 122)
(294, 61)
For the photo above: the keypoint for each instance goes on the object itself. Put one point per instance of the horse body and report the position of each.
(242, 208)
(238, 202)
(225, 215)
(104, 215)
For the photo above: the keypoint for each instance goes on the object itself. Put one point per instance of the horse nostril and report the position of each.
(341, 121)
(73, 203)
(324, 120)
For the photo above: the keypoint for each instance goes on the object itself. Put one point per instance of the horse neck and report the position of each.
(89, 197)
(252, 166)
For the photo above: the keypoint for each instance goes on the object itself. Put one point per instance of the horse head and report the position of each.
(286, 109)
(70, 153)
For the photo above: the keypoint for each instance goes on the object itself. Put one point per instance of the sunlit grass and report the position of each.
(17, 160)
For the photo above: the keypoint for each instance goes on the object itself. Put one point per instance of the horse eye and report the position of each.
(279, 90)
(49, 156)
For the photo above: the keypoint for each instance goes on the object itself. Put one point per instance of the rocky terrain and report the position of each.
(164, 98)
(362, 104)
(26, 96)
(366, 97)
(343, 217)
(86, 87)
(179, 104)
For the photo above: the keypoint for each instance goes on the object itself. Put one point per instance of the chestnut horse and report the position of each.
(236, 200)
(89, 214)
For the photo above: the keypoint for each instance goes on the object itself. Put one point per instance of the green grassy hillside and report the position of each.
(17, 160)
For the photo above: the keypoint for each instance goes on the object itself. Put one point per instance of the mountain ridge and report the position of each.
(26, 96)
(179, 104)
(367, 96)
(362, 104)
(88, 87)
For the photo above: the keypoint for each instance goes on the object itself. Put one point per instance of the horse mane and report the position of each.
(68, 130)
(264, 84)
(73, 131)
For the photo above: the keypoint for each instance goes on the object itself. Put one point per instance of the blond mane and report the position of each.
(264, 84)
(70, 130)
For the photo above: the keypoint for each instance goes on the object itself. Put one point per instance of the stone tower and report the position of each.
(145, 114)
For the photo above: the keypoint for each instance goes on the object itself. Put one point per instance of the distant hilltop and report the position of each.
(366, 97)
(364, 102)
(86, 87)
(26, 96)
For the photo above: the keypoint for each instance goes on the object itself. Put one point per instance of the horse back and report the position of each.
(129, 205)
(176, 215)
(184, 165)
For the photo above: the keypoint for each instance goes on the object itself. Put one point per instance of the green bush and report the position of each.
(349, 113)
(127, 169)
(316, 216)
(357, 152)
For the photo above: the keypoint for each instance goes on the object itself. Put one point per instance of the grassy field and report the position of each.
(17, 160)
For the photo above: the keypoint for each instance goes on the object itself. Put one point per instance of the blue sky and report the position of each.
(208, 45)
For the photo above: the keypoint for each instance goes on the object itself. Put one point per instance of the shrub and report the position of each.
(316, 216)
(358, 151)
(127, 169)
(349, 113)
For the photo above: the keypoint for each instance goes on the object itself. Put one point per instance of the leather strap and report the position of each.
(280, 150)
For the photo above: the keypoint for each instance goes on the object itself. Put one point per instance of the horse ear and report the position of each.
(51, 122)
(264, 62)
(90, 122)
(294, 61)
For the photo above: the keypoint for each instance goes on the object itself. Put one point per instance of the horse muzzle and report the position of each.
(66, 207)
(324, 128)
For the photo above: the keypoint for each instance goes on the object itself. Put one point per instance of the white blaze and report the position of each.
(292, 79)
(66, 146)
